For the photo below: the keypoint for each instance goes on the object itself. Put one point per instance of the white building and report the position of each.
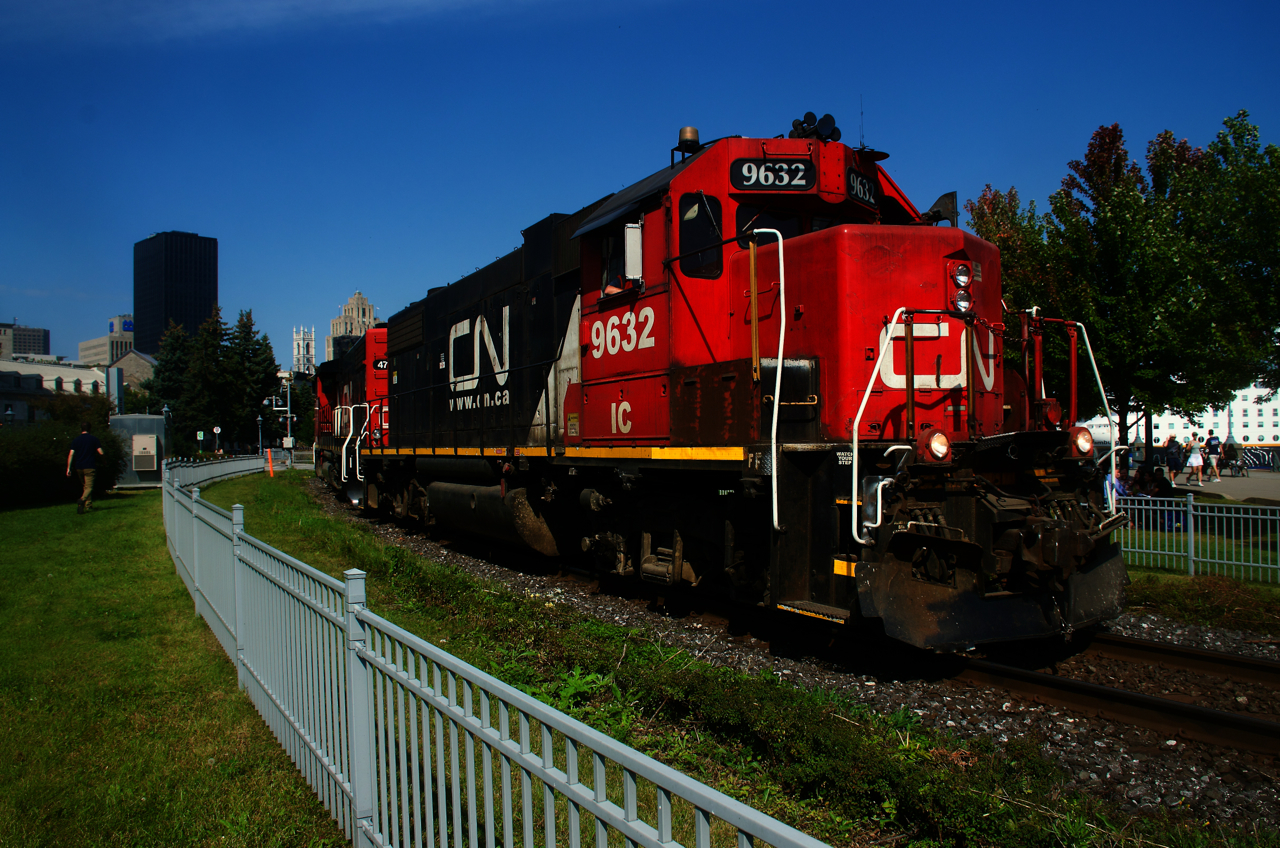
(304, 350)
(1247, 419)
(22, 383)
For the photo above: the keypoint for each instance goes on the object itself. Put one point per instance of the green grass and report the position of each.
(120, 720)
(1208, 600)
(827, 766)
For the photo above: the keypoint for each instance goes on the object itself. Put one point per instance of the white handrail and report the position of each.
(364, 428)
(857, 421)
(351, 426)
(777, 379)
(1111, 429)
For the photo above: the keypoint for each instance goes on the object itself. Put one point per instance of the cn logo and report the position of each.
(924, 333)
(480, 332)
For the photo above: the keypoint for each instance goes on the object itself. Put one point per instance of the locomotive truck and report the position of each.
(760, 370)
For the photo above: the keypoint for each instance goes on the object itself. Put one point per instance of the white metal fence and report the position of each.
(1182, 534)
(406, 744)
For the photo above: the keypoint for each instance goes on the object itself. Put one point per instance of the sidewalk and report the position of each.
(1259, 484)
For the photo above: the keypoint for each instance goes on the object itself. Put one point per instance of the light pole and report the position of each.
(287, 409)
(166, 413)
(259, 435)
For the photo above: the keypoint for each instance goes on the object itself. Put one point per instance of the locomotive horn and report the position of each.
(811, 126)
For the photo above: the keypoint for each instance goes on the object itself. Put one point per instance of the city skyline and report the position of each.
(393, 146)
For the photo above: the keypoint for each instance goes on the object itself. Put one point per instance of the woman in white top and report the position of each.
(1195, 463)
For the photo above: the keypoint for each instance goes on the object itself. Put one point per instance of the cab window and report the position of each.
(754, 218)
(612, 271)
(702, 255)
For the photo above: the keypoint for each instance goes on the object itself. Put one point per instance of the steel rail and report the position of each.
(1187, 721)
(1217, 663)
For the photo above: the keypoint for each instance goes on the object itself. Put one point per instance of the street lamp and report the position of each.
(164, 448)
(259, 435)
(288, 416)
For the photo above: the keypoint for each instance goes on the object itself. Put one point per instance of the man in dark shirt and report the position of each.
(1214, 445)
(84, 452)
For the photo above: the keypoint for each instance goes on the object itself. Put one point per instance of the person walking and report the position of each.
(1195, 462)
(1173, 457)
(1213, 446)
(84, 453)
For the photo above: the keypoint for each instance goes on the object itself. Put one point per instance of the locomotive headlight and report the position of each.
(377, 435)
(964, 300)
(962, 276)
(1082, 441)
(934, 445)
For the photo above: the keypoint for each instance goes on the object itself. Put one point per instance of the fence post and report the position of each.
(1191, 534)
(359, 713)
(195, 549)
(237, 580)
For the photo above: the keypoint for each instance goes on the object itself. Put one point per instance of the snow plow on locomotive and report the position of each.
(760, 369)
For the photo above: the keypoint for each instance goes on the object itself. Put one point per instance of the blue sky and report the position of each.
(393, 145)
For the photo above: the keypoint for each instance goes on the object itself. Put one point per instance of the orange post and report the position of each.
(271, 465)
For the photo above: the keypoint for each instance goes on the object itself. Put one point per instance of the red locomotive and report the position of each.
(760, 369)
(351, 411)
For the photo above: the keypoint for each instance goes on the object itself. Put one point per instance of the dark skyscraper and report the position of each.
(175, 277)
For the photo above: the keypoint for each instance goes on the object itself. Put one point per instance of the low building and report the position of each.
(136, 367)
(107, 349)
(23, 383)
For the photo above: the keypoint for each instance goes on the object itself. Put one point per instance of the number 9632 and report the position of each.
(626, 332)
(771, 174)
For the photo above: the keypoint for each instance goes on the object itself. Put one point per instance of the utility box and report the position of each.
(144, 441)
(144, 452)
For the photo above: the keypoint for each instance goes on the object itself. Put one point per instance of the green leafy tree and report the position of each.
(141, 402)
(1141, 259)
(1241, 217)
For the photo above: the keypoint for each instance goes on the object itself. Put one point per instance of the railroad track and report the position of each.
(1188, 721)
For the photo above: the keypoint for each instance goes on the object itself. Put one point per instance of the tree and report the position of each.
(252, 366)
(169, 380)
(141, 402)
(1142, 260)
(304, 407)
(37, 455)
(206, 399)
(1242, 218)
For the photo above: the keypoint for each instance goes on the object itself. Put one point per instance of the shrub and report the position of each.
(33, 459)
